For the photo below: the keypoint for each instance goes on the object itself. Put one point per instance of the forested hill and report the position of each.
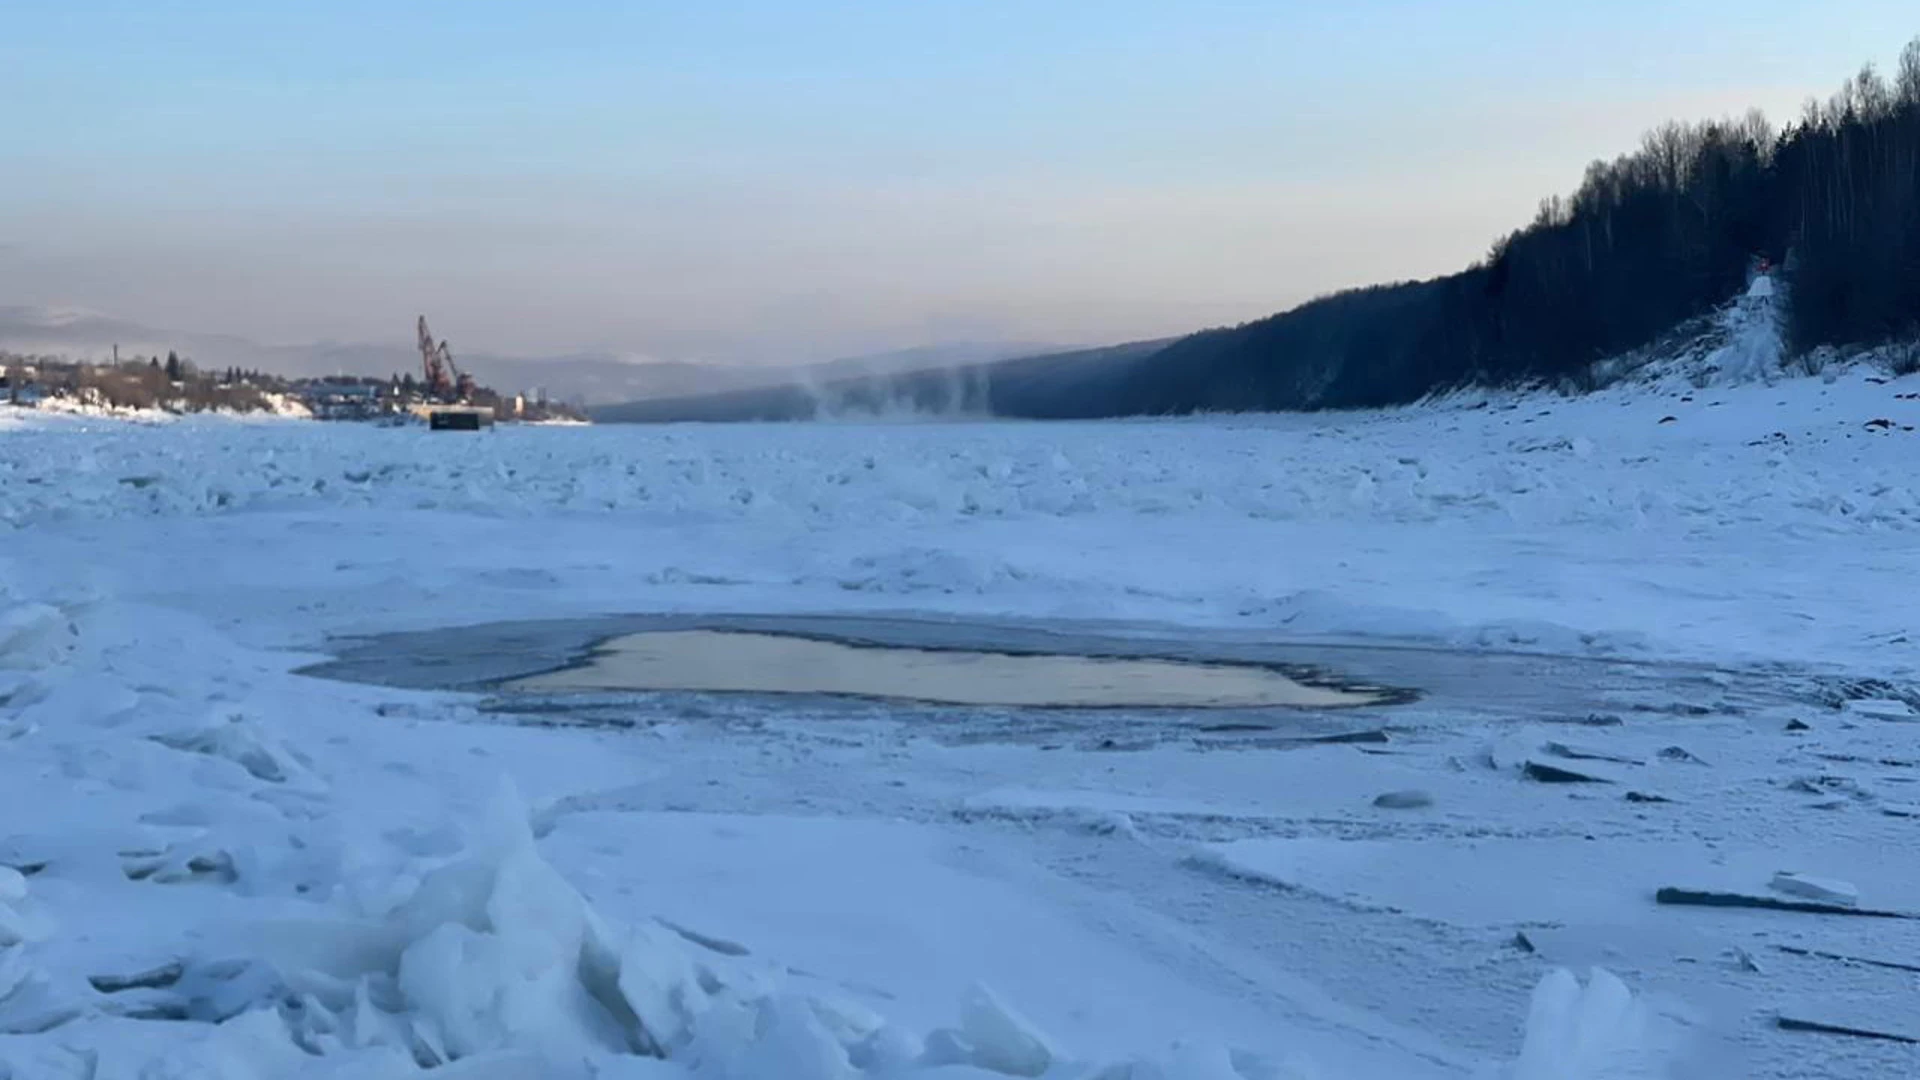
(1649, 241)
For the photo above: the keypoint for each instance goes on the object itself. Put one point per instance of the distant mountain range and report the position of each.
(587, 377)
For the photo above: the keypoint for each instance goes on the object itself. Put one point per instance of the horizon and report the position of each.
(772, 187)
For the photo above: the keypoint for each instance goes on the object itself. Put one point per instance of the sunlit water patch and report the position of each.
(722, 661)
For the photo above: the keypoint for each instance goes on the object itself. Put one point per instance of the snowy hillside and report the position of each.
(1743, 342)
(213, 867)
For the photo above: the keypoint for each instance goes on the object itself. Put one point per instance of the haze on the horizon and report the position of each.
(768, 181)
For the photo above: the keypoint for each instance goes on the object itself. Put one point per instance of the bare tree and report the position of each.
(1906, 81)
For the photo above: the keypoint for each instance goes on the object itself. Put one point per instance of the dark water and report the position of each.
(546, 672)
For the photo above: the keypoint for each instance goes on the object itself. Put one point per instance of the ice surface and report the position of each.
(1508, 881)
(1539, 524)
(210, 867)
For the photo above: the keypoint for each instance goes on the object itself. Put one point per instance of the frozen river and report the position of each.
(1617, 655)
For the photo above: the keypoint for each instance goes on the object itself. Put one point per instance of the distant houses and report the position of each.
(172, 383)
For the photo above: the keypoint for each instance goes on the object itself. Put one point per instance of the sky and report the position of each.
(758, 181)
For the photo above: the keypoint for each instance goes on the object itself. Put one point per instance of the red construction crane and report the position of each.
(445, 380)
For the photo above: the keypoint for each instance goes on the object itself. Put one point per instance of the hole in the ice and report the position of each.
(718, 661)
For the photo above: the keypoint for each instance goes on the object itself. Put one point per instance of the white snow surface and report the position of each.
(1756, 342)
(211, 866)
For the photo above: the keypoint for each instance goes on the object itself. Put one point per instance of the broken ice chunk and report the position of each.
(1002, 1040)
(1891, 709)
(1584, 753)
(1554, 774)
(1817, 889)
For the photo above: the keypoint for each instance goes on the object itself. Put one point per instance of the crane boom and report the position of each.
(463, 384)
(444, 380)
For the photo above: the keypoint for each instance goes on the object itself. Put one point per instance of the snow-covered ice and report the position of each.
(211, 866)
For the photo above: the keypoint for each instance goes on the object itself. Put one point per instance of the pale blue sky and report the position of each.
(760, 180)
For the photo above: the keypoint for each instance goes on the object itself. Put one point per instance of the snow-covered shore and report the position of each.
(348, 878)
